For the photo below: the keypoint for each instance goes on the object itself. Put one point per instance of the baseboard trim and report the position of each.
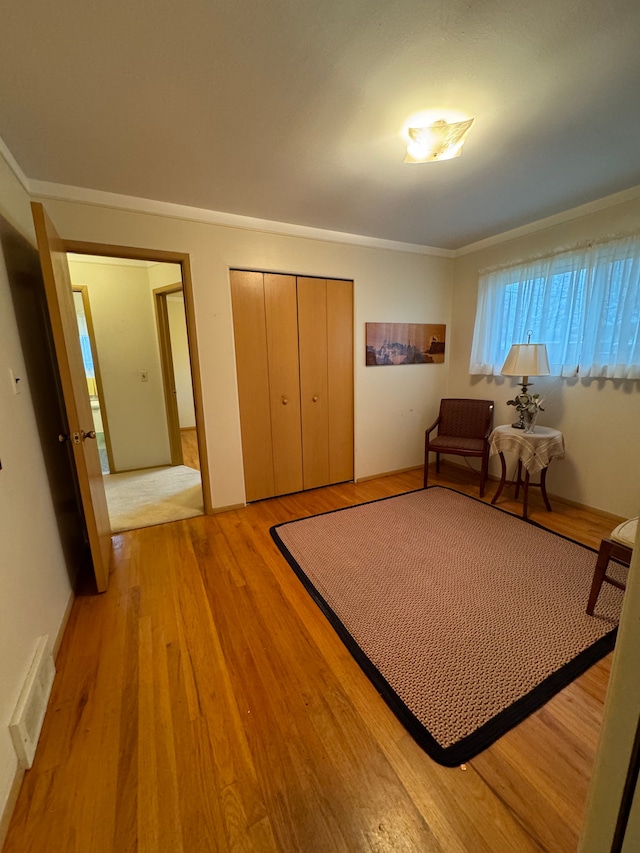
(388, 473)
(143, 468)
(14, 791)
(602, 513)
(63, 626)
(615, 519)
(216, 509)
(12, 799)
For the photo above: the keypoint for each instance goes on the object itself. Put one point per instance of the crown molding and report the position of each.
(63, 192)
(12, 163)
(549, 221)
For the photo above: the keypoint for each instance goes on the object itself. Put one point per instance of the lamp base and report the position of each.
(519, 424)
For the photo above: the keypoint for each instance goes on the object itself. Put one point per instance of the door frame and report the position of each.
(83, 290)
(166, 363)
(109, 250)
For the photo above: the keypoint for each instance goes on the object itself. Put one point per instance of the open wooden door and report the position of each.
(168, 373)
(59, 295)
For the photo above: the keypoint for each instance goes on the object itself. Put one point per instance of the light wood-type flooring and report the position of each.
(203, 703)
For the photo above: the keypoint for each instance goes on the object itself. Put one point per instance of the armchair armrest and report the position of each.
(433, 425)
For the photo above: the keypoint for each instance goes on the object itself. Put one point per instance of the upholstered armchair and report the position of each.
(619, 547)
(463, 429)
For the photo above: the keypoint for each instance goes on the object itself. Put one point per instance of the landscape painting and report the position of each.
(404, 343)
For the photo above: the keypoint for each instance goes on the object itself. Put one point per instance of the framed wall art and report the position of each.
(404, 343)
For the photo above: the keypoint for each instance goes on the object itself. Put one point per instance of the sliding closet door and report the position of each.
(284, 381)
(314, 390)
(250, 329)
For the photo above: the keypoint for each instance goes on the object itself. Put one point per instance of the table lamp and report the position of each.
(525, 360)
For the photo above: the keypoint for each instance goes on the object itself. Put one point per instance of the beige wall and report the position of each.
(392, 405)
(34, 586)
(161, 274)
(600, 419)
(127, 342)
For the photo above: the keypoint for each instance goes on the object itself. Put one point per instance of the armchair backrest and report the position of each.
(465, 418)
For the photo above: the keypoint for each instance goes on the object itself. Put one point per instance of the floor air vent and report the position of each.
(27, 720)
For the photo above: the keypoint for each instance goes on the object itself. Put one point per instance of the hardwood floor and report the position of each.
(203, 703)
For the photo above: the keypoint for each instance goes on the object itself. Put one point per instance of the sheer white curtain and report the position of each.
(583, 304)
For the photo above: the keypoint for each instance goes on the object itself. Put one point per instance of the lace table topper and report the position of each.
(534, 449)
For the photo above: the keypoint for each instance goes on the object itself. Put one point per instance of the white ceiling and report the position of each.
(292, 110)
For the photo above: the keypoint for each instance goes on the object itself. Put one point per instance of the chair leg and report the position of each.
(604, 554)
(437, 463)
(426, 461)
(483, 473)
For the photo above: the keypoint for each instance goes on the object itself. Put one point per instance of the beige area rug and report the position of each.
(155, 496)
(466, 618)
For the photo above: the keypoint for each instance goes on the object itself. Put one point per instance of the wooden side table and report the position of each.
(534, 451)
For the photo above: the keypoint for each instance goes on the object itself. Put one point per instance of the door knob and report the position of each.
(315, 398)
(284, 401)
(86, 435)
(62, 437)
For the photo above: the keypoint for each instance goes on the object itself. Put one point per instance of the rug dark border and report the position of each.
(471, 745)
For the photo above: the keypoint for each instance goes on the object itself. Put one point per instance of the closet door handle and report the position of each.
(315, 398)
(284, 401)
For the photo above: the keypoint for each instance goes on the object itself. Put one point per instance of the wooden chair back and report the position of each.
(464, 418)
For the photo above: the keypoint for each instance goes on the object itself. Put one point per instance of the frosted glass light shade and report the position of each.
(438, 141)
(526, 360)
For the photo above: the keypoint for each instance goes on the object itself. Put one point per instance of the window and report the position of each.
(583, 304)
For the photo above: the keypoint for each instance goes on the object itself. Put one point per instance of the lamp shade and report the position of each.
(438, 141)
(526, 360)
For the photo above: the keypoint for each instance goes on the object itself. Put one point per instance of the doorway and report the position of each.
(145, 480)
(94, 379)
(176, 374)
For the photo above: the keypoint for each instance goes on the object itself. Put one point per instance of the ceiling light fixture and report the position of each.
(438, 141)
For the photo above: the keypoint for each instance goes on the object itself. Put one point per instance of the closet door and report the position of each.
(284, 381)
(340, 379)
(294, 357)
(314, 389)
(325, 328)
(250, 331)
